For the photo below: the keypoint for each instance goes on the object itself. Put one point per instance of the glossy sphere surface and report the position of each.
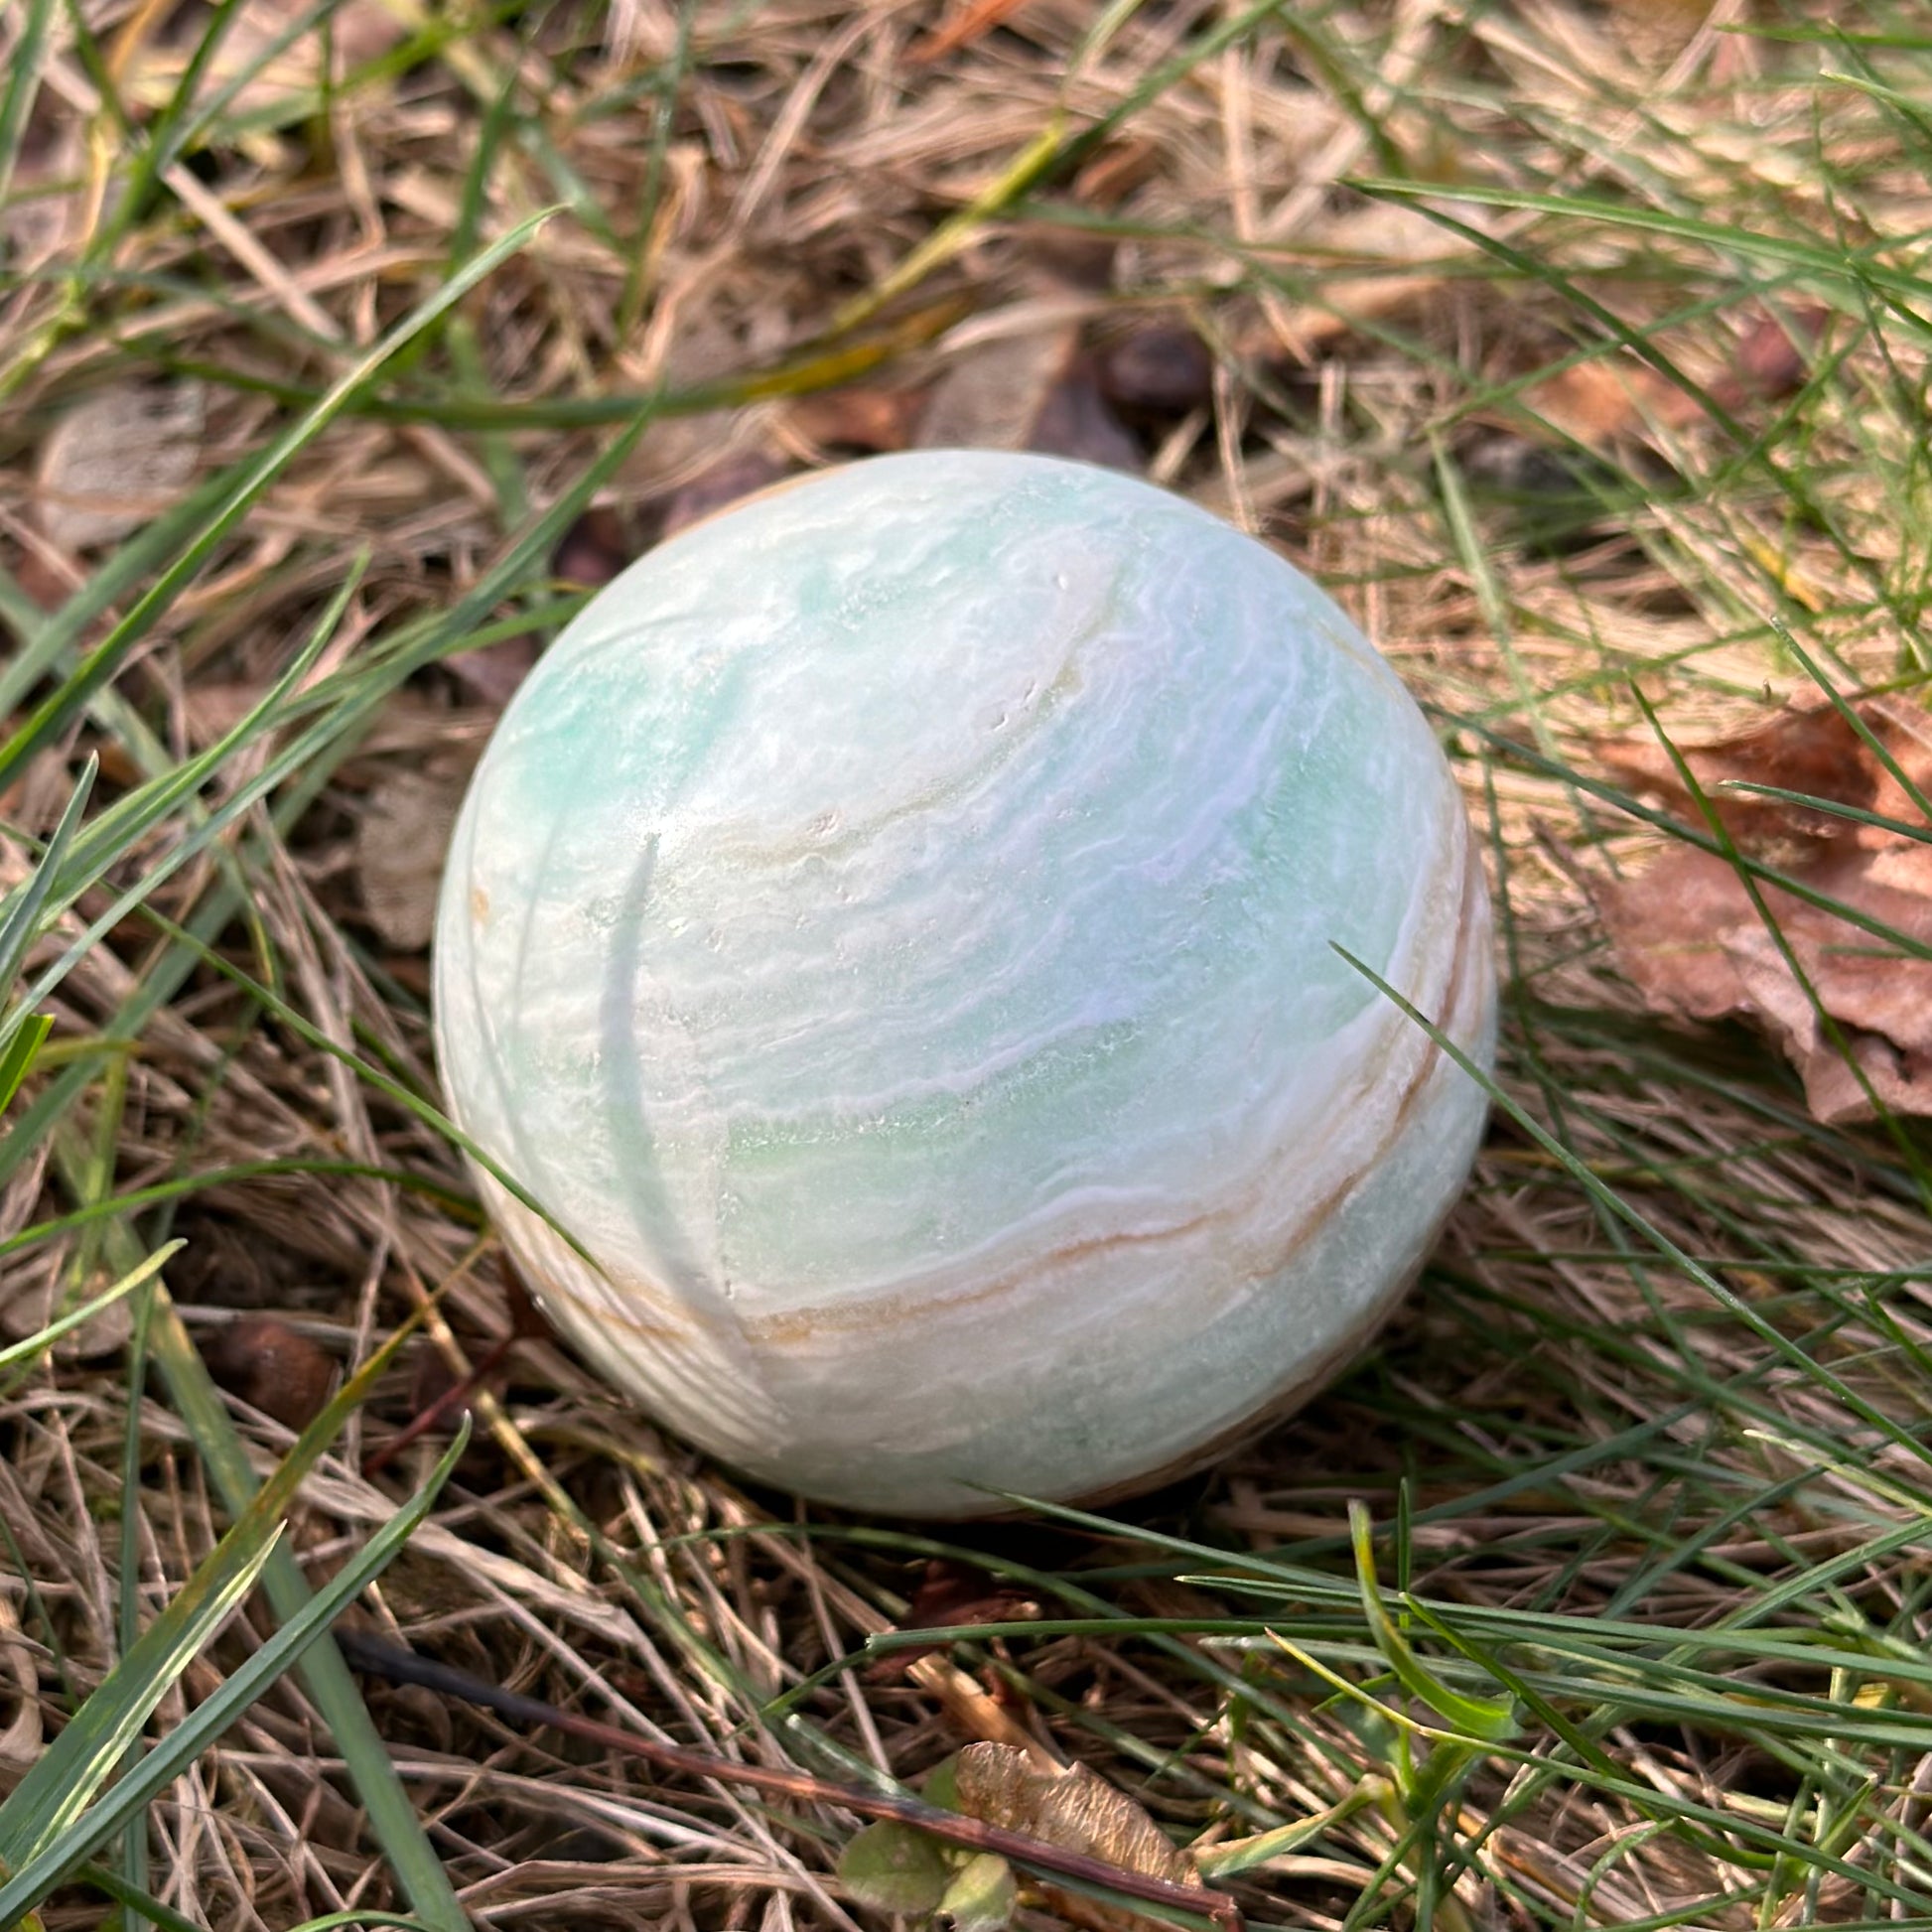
(893, 930)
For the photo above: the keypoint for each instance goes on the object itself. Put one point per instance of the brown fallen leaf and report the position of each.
(1078, 1811)
(1691, 940)
(1602, 400)
(117, 459)
(1812, 748)
(1035, 390)
(401, 836)
(949, 1594)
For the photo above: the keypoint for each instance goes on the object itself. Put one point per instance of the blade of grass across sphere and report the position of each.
(105, 659)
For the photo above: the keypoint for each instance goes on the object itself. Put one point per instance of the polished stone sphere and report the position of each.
(894, 931)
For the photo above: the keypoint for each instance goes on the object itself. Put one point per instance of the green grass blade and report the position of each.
(21, 926)
(69, 1773)
(23, 84)
(327, 1679)
(30, 1346)
(16, 1057)
(65, 1778)
(44, 638)
(107, 657)
(82, 1835)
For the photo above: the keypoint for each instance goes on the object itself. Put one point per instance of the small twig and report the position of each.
(397, 1666)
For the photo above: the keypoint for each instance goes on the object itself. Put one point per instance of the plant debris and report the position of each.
(1037, 389)
(1093, 1833)
(950, 1594)
(1837, 966)
(272, 1367)
(117, 459)
(401, 834)
(1077, 1810)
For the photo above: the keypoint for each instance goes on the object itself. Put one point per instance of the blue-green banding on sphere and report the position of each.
(894, 930)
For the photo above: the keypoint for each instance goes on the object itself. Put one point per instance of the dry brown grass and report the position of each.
(1584, 1435)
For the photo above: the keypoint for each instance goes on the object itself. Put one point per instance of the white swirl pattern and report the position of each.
(894, 931)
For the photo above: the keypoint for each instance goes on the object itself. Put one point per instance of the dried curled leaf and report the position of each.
(1035, 390)
(1596, 402)
(1690, 938)
(1697, 946)
(1815, 749)
(1075, 1810)
(400, 838)
(117, 459)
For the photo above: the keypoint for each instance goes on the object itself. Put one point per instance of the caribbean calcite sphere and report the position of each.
(894, 932)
